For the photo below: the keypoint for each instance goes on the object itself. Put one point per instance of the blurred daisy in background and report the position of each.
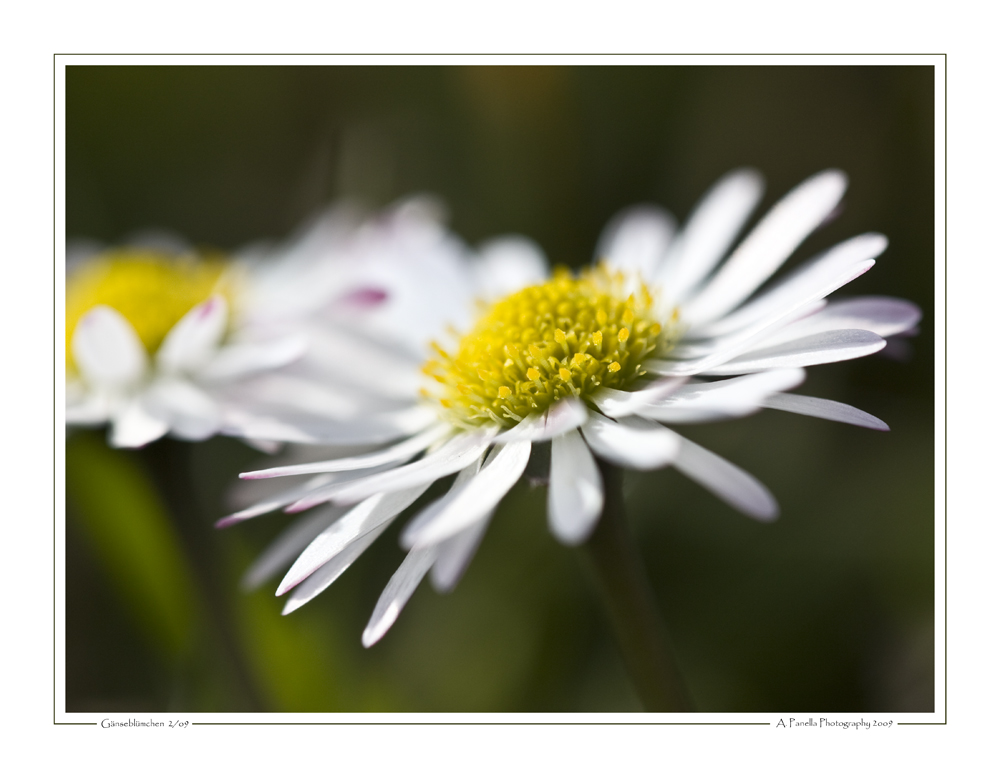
(151, 332)
(162, 338)
(664, 329)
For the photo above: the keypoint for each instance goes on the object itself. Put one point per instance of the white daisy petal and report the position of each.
(135, 426)
(192, 341)
(631, 442)
(418, 522)
(318, 582)
(566, 414)
(362, 361)
(768, 245)
(243, 359)
(90, 409)
(726, 481)
(818, 349)
(455, 553)
(299, 428)
(576, 492)
(616, 403)
(821, 276)
(289, 544)
(468, 503)
(507, 264)
(399, 589)
(189, 411)
(824, 409)
(885, 316)
(729, 398)
(335, 482)
(397, 453)
(275, 501)
(107, 349)
(712, 227)
(636, 240)
(724, 348)
(459, 452)
(360, 520)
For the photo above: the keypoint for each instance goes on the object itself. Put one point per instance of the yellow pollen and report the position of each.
(150, 289)
(566, 337)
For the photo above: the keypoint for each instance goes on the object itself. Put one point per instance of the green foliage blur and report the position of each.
(828, 609)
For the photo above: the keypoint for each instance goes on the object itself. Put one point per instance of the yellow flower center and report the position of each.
(566, 337)
(150, 289)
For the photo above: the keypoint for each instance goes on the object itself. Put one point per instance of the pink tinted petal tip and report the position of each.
(365, 297)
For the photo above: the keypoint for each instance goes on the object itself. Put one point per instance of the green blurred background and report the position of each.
(829, 609)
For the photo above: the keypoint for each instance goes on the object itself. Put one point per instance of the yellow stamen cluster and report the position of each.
(566, 337)
(150, 289)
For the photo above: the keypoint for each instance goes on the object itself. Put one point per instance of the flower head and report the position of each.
(153, 338)
(663, 330)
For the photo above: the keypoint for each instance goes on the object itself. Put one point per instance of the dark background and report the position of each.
(828, 609)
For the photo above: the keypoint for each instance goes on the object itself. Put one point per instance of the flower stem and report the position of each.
(170, 464)
(629, 601)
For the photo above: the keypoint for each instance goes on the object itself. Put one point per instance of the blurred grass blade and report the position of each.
(115, 505)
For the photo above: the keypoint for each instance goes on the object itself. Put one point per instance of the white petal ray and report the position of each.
(768, 245)
(334, 484)
(461, 451)
(275, 501)
(724, 348)
(399, 589)
(242, 359)
(802, 283)
(711, 229)
(350, 357)
(392, 455)
(419, 521)
(88, 409)
(331, 571)
(819, 349)
(729, 398)
(135, 426)
(292, 427)
(616, 403)
(193, 340)
(507, 264)
(289, 544)
(636, 240)
(576, 492)
(358, 521)
(726, 481)
(468, 503)
(107, 349)
(310, 396)
(566, 414)
(824, 409)
(455, 554)
(631, 442)
(885, 316)
(190, 412)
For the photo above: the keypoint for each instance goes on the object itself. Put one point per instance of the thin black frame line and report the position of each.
(602, 54)
(945, 455)
(497, 54)
(481, 723)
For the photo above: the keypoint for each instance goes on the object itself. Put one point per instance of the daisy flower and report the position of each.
(162, 338)
(664, 330)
